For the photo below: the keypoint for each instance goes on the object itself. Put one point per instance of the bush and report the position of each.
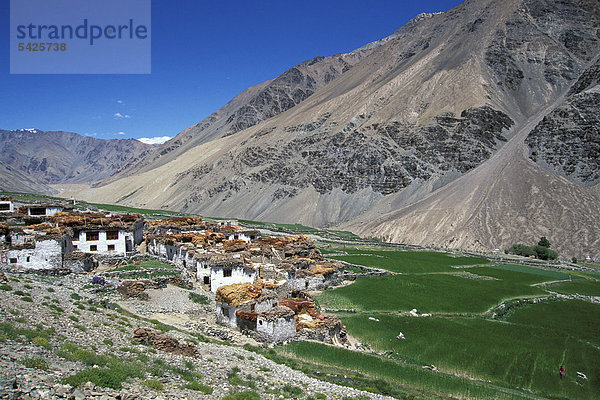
(521, 250)
(37, 363)
(41, 341)
(198, 298)
(544, 253)
(198, 387)
(293, 390)
(5, 287)
(247, 395)
(154, 384)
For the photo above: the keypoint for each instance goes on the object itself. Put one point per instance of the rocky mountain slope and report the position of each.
(440, 110)
(57, 337)
(65, 157)
(16, 181)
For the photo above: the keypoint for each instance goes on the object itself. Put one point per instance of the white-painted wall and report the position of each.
(101, 244)
(47, 254)
(238, 275)
(226, 315)
(11, 206)
(50, 211)
(277, 330)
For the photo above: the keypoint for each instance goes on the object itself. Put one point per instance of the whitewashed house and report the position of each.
(44, 252)
(100, 234)
(228, 270)
(277, 324)
(6, 205)
(43, 210)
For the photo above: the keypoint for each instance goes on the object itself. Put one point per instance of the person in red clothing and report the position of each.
(561, 371)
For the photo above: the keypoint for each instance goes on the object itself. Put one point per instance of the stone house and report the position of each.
(104, 234)
(309, 274)
(238, 233)
(276, 325)
(42, 251)
(226, 270)
(43, 210)
(6, 205)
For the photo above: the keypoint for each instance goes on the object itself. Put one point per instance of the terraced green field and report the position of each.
(496, 324)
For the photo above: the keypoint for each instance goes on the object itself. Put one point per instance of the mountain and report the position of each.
(16, 181)
(461, 129)
(65, 157)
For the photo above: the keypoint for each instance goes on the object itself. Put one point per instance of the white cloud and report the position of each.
(120, 133)
(90, 134)
(120, 101)
(155, 140)
(118, 115)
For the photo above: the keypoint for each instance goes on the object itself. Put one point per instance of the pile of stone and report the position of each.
(163, 342)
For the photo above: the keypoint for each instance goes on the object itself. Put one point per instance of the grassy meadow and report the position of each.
(480, 354)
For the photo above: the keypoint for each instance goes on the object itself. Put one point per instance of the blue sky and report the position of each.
(203, 54)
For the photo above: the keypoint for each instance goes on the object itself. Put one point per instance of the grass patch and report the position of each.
(36, 362)
(199, 387)
(154, 384)
(247, 395)
(198, 298)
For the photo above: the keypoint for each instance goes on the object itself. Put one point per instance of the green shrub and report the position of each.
(198, 387)
(154, 384)
(5, 287)
(544, 253)
(247, 395)
(27, 299)
(189, 365)
(521, 250)
(28, 286)
(75, 296)
(73, 318)
(198, 298)
(37, 363)
(51, 290)
(80, 327)
(293, 390)
(41, 341)
(108, 342)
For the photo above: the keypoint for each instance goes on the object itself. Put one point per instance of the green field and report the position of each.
(580, 286)
(407, 261)
(521, 350)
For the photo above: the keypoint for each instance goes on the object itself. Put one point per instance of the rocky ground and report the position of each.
(56, 332)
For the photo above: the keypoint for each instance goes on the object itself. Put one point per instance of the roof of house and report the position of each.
(238, 293)
(96, 221)
(276, 313)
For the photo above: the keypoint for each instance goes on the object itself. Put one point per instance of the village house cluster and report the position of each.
(53, 236)
(261, 284)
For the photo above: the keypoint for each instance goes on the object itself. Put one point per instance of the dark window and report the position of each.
(5, 207)
(75, 246)
(207, 280)
(112, 235)
(28, 258)
(91, 236)
(93, 248)
(111, 247)
(306, 284)
(13, 260)
(227, 272)
(37, 211)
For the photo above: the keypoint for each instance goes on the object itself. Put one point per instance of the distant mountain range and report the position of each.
(475, 128)
(65, 157)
